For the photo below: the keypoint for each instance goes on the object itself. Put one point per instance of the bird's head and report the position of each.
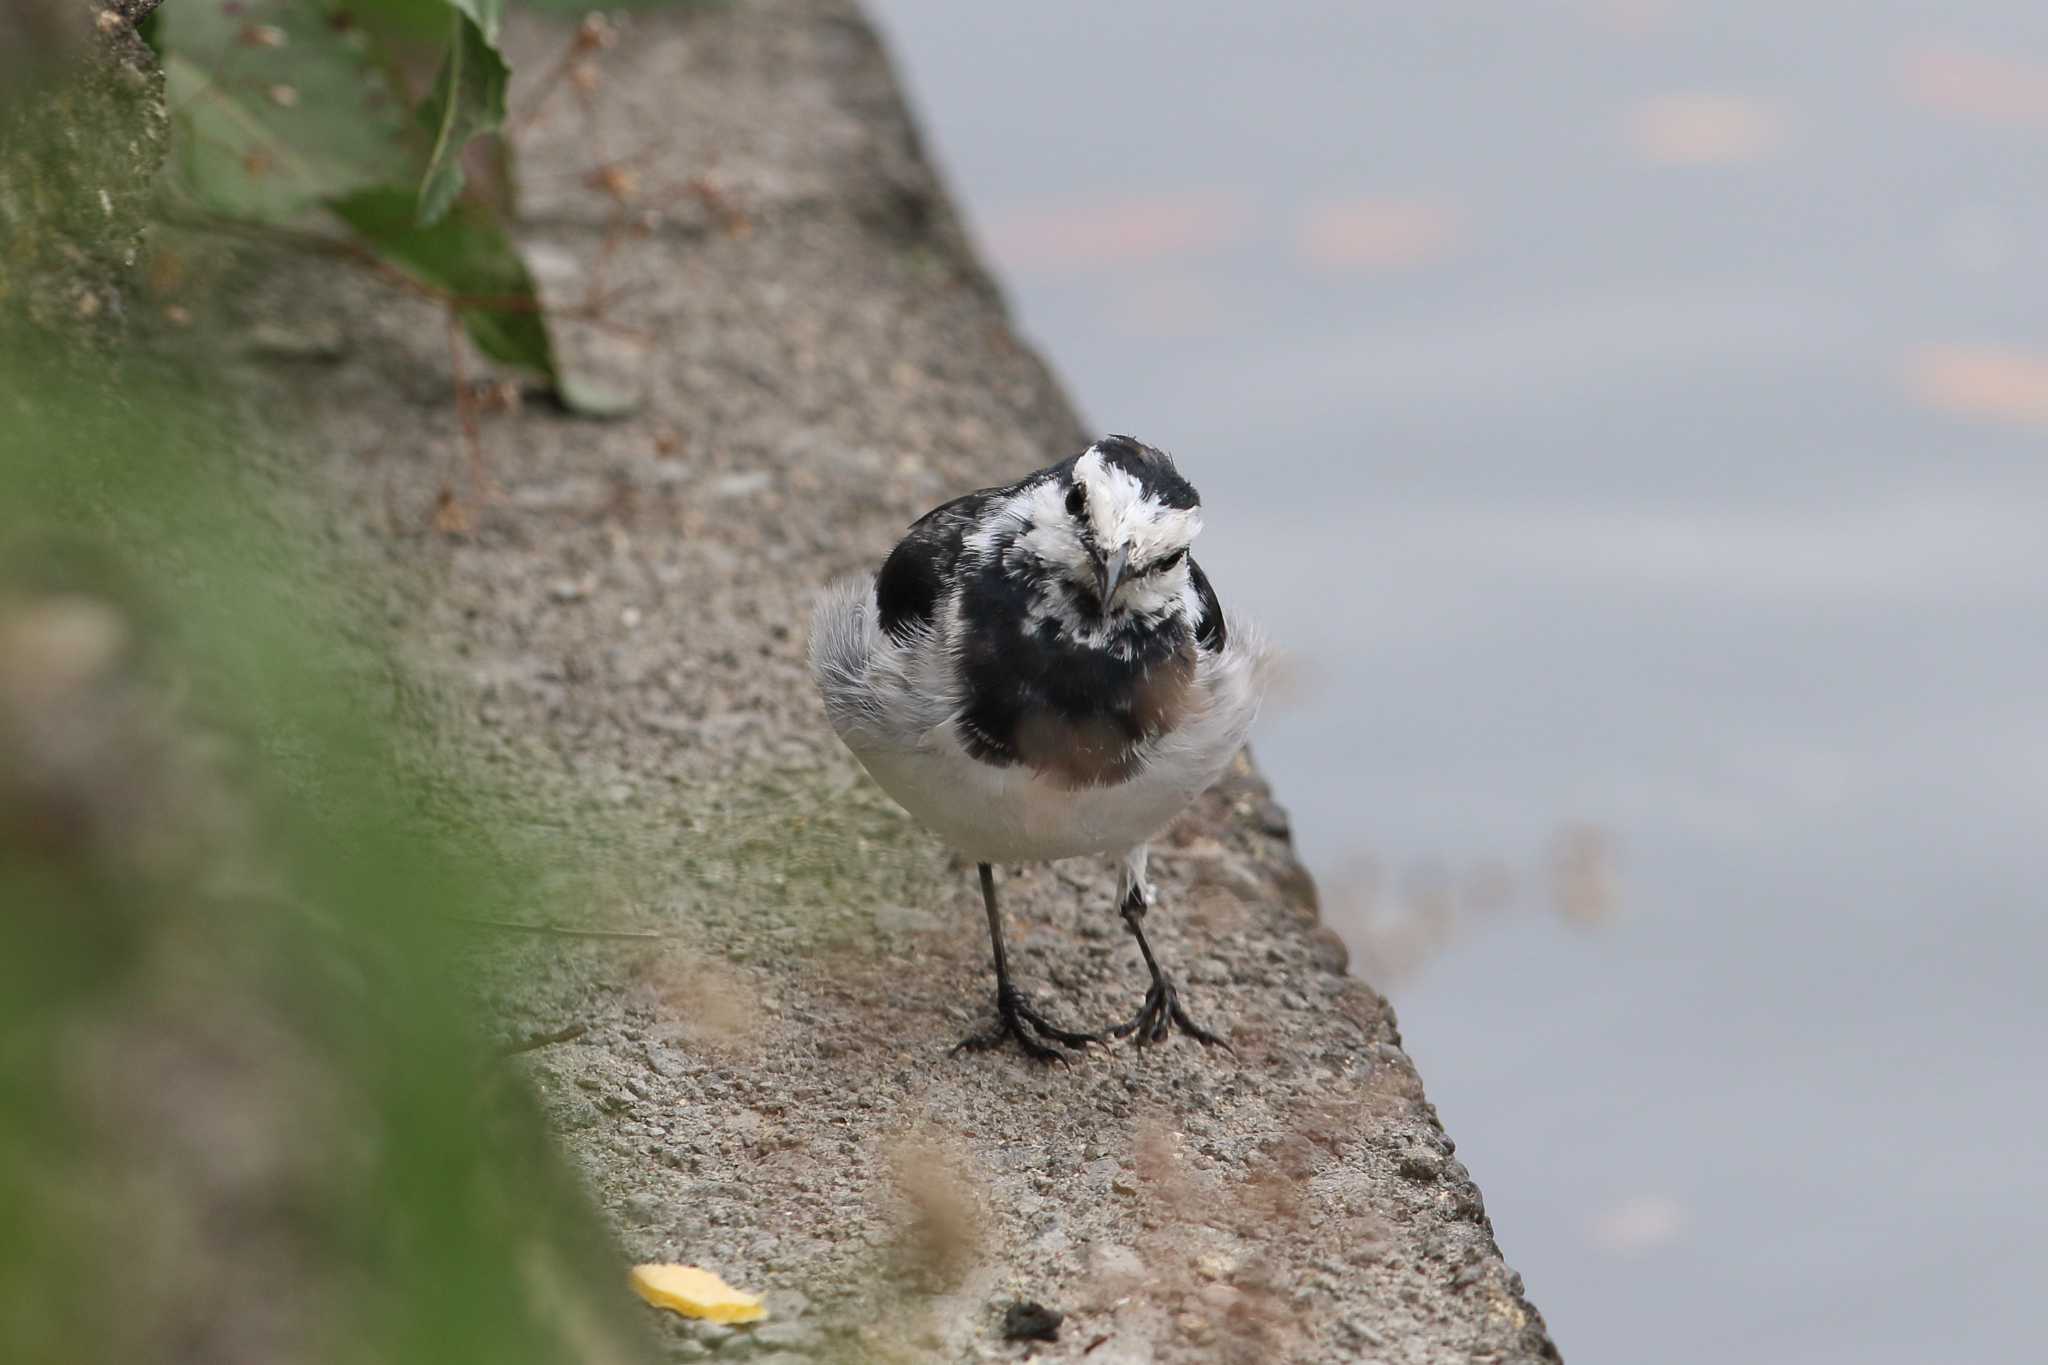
(1114, 526)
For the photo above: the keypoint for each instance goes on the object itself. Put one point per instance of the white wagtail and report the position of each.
(1042, 671)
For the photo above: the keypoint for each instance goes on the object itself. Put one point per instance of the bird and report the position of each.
(1042, 671)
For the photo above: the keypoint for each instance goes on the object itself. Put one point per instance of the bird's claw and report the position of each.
(1016, 1018)
(1160, 1015)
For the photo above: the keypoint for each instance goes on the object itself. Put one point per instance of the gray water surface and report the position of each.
(1632, 417)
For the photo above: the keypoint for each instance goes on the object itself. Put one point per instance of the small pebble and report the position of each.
(1420, 1163)
(1273, 820)
(784, 1304)
(1358, 1328)
(787, 1336)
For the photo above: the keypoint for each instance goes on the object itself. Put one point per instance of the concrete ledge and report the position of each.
(821, 358)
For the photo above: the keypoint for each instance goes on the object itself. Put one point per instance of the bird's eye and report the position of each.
(1176, 557)
(1077, 499)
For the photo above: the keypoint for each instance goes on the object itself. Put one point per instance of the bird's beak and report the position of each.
(1108, 573)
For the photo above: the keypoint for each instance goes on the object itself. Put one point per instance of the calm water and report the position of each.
(1633, 417)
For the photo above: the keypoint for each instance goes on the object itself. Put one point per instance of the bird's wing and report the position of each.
(914, 576)
(1210, 631)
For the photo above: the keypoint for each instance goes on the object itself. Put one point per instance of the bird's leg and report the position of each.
(1013, 1012)
(1161, 1011)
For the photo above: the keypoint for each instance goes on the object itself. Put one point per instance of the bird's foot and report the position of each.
(1161, 1014)
(1016, 1018)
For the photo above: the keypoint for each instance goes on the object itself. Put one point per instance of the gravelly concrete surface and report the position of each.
(769, 1091)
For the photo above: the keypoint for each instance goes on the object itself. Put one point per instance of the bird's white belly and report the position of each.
(1014, 815)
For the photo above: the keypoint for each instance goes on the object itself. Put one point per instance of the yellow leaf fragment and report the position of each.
(695, 1293)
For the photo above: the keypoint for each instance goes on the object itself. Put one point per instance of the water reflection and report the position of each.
(1630, 412)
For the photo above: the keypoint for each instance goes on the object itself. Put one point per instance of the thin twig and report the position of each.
(592, 35)
(558, 930)
(567, 1033)
(517, 125)
(465, 410)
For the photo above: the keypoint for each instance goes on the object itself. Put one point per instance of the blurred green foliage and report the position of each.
(579, 7)
(426, 1217)
(280, 112)
(283, 108)
(243, 1115)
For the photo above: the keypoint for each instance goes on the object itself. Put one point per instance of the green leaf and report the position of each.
(579, 8)
(400, 25)
(274, 109)
(468, 101)
(487, 15)
(470, 256)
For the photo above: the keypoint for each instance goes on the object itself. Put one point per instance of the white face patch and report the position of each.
(1054, 539)
(1122, 516)
(1119, 515)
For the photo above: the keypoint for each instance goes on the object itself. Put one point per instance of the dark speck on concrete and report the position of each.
(1028, 1321)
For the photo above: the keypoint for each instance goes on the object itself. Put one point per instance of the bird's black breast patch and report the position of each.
(1075, 714)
